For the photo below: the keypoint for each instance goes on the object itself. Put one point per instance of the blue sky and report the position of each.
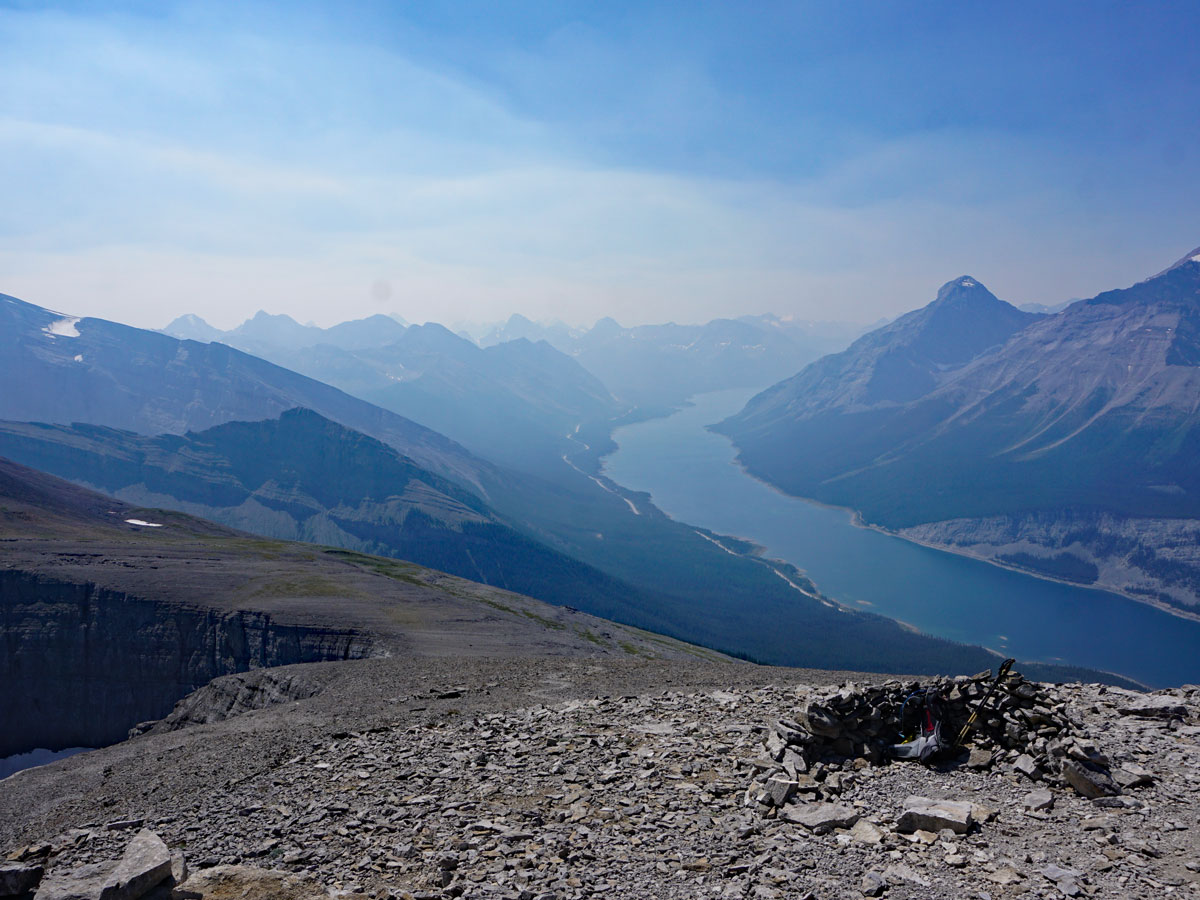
(649, 161)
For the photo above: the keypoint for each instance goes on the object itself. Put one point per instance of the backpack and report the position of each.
(925, 707)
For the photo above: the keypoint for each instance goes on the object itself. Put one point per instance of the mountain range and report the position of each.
(304, 477)
(515, 402)
(657, 366)
(1064, 444)
(677, 579)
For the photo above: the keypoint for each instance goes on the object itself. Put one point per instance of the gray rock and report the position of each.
(779, 790)
(821, 722)
(822, 817)
(1027, 767)
(1039, 801)
(83, 883)
(923, 814)
(873, 884)
(1155, 707)
(1089, 781)
(248, 883)
(1132, 776)
(16, 879)
(979, 758)
(146, 864)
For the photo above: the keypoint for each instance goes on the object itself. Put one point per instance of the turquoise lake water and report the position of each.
(691, 474)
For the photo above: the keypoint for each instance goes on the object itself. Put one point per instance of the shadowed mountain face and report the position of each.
(303, 477)
(1093, 407)
(900, 362)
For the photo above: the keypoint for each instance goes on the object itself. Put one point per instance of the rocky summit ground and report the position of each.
(577, 778)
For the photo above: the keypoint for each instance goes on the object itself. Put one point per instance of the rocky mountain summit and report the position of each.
(631, 779)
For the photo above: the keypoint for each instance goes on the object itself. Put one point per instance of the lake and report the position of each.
(692, 475)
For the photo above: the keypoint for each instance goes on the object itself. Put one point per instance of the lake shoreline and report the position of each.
(856, 519)
(694, 476)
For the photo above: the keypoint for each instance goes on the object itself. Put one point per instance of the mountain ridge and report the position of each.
(1092, 410)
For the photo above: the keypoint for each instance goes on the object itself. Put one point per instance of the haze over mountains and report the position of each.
(1064, 444)
(516, 402)
(662, 365)
(677, 580)
(414, 370)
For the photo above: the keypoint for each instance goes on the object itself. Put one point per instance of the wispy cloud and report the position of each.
(157, 165)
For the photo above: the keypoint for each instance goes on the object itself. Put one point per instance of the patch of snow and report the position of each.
(144, 524)
(967, 282)
(1196, 258)
(64, 327)
(78, 357)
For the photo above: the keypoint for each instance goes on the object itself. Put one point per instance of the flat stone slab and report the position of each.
(923, 814)
(1039, 801)
(822, 817)
(250, 883)
(1155, 707)
(83, 883)
(1087, 781)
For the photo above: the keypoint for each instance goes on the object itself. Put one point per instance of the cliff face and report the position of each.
(81, 664)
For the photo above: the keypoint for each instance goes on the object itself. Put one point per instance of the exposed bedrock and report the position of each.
(80, 665)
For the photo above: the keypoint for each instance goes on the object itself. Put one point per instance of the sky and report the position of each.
(652, 161)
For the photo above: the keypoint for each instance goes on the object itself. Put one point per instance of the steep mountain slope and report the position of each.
(1089, 413)
(513, 403)
(109, 612)
(303, 477)
(62, 369)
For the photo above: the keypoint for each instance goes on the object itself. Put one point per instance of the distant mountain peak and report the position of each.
(186, 319)
(964, 284)
(190, 326)
(1192, 257)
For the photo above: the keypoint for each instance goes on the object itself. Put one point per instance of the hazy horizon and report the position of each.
(567, 161)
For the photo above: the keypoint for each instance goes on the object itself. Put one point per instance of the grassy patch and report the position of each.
(588, 635)
(542, 620)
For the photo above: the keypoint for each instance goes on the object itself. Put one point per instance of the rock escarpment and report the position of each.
(82, 664)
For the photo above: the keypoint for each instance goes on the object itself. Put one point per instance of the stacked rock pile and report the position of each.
(1025, 728)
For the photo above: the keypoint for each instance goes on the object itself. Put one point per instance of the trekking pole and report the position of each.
(1004, 667)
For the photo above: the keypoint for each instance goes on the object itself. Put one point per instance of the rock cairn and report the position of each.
(1024, 728)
